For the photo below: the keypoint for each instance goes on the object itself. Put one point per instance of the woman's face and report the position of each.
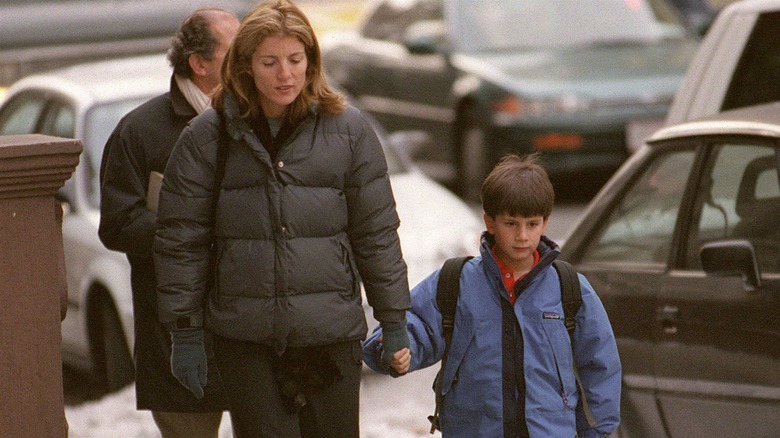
(279, 70)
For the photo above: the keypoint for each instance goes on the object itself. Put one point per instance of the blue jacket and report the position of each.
(473, 382)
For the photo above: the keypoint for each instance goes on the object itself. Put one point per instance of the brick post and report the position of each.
(33, 287)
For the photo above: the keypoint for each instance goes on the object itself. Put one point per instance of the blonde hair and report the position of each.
(279, 17)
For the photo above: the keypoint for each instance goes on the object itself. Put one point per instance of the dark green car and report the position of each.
(488, 77)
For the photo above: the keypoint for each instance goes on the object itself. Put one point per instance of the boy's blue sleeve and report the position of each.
(598, 362)
(423, 322)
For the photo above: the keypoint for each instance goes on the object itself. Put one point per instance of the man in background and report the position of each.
(139, 146)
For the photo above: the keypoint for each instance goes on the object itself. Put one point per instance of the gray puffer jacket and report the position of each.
(294, 237)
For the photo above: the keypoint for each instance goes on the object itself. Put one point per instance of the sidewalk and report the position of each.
(389, 408)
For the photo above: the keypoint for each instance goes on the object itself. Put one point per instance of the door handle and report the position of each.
(669, 317)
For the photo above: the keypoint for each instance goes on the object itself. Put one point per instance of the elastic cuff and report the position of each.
(393, 326)
(185, 322)
(385, 316)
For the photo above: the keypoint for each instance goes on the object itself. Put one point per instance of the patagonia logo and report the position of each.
(550, 315)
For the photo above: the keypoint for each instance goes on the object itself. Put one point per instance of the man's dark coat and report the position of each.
(141, 143)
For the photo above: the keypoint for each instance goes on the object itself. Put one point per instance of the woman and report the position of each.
(303, 213)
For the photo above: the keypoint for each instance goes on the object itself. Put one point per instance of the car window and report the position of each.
(739, 198)
(757, 76)
(497, 25)
(21, 114)
(391, 18)
(640, 226)
(98, 125)
(59, 121)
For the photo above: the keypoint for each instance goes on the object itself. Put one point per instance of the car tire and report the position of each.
(113, 364)
(472, 158)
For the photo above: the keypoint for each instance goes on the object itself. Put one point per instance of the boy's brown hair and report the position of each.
(518, 186)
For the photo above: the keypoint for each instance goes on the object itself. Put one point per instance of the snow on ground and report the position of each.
(389, 408)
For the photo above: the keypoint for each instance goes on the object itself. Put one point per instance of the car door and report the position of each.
(717, 357)
(363, 64)
(423, 77)
(625, 254)
(404, 89)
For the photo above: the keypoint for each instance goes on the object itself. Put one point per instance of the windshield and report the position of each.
(496, 25)
(99, 123)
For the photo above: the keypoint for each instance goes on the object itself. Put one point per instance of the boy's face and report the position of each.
(516, 238)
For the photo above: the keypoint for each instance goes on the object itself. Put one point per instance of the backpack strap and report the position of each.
(571, 293)
(571, 299)
(447, 292)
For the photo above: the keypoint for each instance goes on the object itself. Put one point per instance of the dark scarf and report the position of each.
(263, 132)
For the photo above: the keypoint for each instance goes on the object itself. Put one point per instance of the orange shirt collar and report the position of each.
(508, 275)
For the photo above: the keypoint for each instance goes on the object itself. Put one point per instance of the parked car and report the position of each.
(697, 15)
(683, 247)
(86, 102)
(737, 65)
(37, 35)
(484, 79)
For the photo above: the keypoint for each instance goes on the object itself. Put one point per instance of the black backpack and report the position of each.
(447, 291)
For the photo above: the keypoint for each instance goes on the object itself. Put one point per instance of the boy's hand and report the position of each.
(402, 360)
(395, 340)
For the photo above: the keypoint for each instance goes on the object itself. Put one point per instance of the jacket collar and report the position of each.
(548, 251)
(237, 124)
(179, 103)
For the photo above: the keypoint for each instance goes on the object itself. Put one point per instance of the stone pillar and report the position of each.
(33, 287)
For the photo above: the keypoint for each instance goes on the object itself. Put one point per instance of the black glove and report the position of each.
(188, 359)
(394, 338)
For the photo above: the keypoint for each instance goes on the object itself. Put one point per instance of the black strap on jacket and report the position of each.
(219, 174)
(447, 292)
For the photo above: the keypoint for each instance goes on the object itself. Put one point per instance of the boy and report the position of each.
(509, 371)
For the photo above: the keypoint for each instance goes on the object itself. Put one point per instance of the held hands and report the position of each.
(402, 360)
(396, 356)
(188, 359)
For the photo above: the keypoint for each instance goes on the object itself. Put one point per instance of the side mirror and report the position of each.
(425, 37)
(728, 258)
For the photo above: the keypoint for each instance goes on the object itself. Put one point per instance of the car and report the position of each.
(697, 15)
(37, 35)
(682, 245)
(85, 102)
(737, 64)
(488, 78)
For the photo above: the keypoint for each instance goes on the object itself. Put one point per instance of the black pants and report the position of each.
(254, 379)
